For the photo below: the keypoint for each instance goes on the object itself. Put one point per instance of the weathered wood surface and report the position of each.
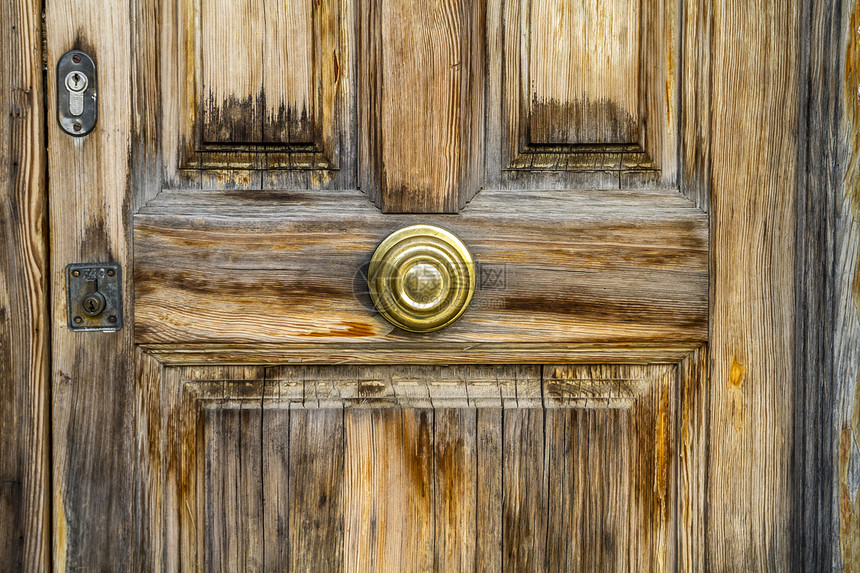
(752, 348)
(240, 476)
(692, 447)
(438, 353)
(740, 78)
(257, 88)
(829, 321)
(591, 93)
(92, 402)
(624, 268)
(421, 118)
(25, 518)
(580, 121)
(272, 108)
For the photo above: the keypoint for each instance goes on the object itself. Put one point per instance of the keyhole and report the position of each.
(76, 82)
(92, 305)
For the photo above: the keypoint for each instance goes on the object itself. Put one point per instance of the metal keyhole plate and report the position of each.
(94, 296)
(76, 81)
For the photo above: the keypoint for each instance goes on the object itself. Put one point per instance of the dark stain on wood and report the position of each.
(238, 288)
(596, 307)
(294, 125)
(96, 242)
(234, 120)
(246, 120)
(553, 122)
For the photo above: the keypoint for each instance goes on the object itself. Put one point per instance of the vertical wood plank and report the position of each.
(388, 492)
(276, 483)
(287, 71)
(692, 460)
(659, 74)
(24, 316)
(610, 467)
(844, 188)
(155, 492)
(584, 71)
(695, 126)
(455, 488)
(753, 293)
(233, 97)
(488, 543)
(525, 496)
(563, 521)
(93, 413)
(316, 491)
(233, 526)
(421, 83)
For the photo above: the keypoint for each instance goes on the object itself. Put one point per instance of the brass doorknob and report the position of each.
(421, 278)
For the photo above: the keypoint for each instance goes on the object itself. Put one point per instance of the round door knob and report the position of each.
(421, 278)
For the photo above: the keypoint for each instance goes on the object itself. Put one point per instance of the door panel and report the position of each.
(116, 407)
(590, 94)
(560, 268)
(258, 88)
(541, 133)
(396, 467)
(421, 88)
(281, 150)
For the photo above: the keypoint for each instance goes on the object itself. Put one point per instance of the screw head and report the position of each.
(78, 320)
(77, 126)
(76, 58)
(76, 273)
(111, 272)
(112, 319)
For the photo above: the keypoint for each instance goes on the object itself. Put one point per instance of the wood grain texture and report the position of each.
(93, 404)
(828, 330)
(630, 267)
(389, 490)
(438, 353)
(421, 114)
(258, 87)
(25, 498)
(845, 195)
(199, 494)
(695, 121)
(584, 72)
(316, 496)
(270, 109)
(232, 490)
(455, 471)
(752, 347)
(591, 486)
(660, 86)
(560, 117)
(237, 475)
(692, 449)
(489, 523)
(233, 100)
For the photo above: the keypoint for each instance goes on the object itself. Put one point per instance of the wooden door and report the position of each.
(254, 412)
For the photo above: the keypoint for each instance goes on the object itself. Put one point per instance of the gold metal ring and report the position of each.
(421, 278)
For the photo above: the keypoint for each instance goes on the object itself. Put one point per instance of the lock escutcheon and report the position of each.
(76, 84)
(94, 296)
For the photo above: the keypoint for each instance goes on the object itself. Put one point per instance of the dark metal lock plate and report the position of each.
(94, 296)
(76, 93)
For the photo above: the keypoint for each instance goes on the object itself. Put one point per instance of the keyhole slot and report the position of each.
(76, 82)
(93, 302)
